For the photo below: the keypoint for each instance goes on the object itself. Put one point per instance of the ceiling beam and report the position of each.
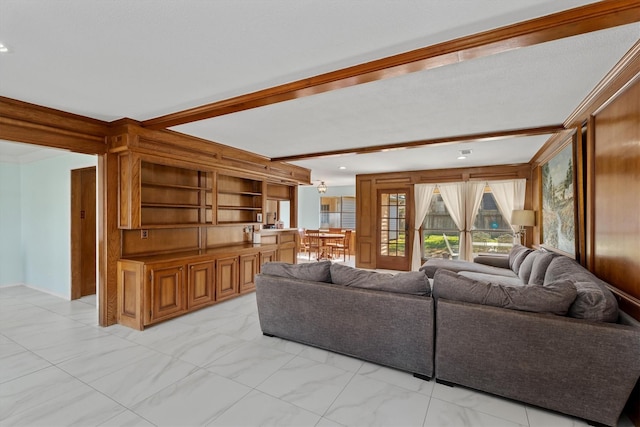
(572, 22)
(474, 137)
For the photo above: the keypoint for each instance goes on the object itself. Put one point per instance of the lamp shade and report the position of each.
(524, 218)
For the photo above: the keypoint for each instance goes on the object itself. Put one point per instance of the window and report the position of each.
(490, 232)
(440, 236)
(338, 212)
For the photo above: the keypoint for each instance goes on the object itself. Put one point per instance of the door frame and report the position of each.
(402, 263)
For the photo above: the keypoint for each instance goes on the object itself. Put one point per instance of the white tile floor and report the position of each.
(212, 367)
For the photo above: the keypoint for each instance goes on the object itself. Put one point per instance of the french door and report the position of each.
(394, 239)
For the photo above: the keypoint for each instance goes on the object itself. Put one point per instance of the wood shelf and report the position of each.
(240, 193)
(182, 187)
(240, 208)
(171, 205)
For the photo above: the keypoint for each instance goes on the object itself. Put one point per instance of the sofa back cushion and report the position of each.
(410, 282)
(517, 256)
(527, 265)
(539, 267)
(554, 297)
(594, 301)
(313, 271)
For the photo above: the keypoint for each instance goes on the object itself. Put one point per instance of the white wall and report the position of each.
(309, 203)
(10, 230)
(44, 212)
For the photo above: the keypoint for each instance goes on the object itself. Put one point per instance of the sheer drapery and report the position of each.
(422, 195)
(509, 196)
(462, 200)
(453, 198)
(474, 192)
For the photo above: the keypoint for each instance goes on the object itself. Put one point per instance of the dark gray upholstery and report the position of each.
(581, 368)
(387, 328)
(410, 282)
(431, 265)
(516, 257)
(493, 278)
(313, 271)
(555, 297)
(594, 300)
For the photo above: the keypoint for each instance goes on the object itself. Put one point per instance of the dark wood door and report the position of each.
(83, 232)
(394, 239)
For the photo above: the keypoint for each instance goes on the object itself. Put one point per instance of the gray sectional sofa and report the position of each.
(350, 311)
(534, 326)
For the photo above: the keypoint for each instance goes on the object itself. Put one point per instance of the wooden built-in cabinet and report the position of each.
(201, 290)
(227, 285)
(156, 195)
(159, 287)
(239, 199)
(248, 270)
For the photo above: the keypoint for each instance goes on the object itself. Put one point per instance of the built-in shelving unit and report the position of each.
(239, 200)
(174, 196)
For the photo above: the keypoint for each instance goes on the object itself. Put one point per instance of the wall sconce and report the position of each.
(322, 187)
(523, 218)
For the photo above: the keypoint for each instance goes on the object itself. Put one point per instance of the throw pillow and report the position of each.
(411, 282)
(313, 271)
(527, 266)
(516, 257)
(539, 267)
(553, 298)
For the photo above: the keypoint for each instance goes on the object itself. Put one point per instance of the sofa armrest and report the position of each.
(501, 261)
(555, 362)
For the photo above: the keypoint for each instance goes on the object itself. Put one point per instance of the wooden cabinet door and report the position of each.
(287, 253)
(167, 292)
(226, 278)
(267, 256)
(248, 270)
(201, 289)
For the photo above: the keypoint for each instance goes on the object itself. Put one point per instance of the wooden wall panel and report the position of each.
(365, 223)
(159, 240)
(616, 224)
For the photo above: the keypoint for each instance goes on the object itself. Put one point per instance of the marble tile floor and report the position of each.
(212, 367)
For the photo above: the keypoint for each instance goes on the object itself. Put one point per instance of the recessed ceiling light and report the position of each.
(342, 167)
(462, 157)
(3, 48)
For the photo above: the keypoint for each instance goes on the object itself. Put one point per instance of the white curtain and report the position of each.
(422, 193)
(474, 192)
(462, 200)
(509, 196)
(453, 198)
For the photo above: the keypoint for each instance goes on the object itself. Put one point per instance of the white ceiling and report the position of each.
(147, 58)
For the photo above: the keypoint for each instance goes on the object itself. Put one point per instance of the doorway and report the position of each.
(394, 239)
(83, 232)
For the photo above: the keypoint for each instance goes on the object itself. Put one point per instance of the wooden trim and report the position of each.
(590, 208)
(572, 22)
(34, 124)
(622, 75)
(477, 137)
(550, 148)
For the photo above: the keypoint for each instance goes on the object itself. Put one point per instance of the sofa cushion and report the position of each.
(410, 282)
(527, 265)
(594, 301)
(433, 264)
(539, 267)
(493, 278)
(553, 298)
(313, 271)
(516, 257)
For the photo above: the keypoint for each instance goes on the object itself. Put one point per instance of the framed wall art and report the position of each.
(559, 202)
